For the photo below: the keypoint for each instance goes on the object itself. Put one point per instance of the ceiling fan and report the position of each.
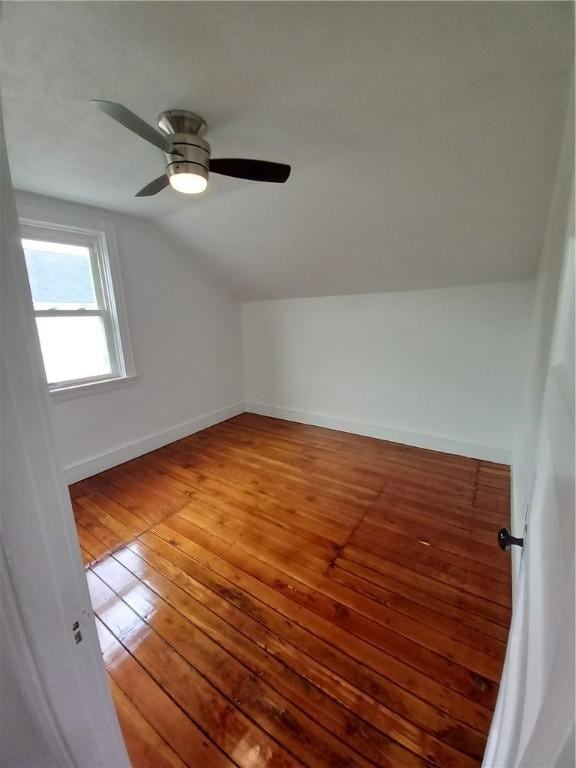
(187, 153)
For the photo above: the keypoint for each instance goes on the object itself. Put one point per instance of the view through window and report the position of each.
(74, 310)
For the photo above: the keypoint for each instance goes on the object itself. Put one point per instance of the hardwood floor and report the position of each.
(274, 594)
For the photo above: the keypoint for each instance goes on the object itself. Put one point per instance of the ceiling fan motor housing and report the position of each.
(185, 130)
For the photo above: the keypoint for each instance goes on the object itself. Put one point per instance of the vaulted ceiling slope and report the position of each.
(423, 136)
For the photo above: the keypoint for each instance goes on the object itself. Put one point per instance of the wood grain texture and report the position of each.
(274, 594)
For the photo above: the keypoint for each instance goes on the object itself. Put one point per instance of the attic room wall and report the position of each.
(185, 333)
(559, 233)
(439, 369)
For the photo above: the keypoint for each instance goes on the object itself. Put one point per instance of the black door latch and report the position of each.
(506, 540)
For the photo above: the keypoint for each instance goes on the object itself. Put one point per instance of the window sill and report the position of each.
(91, 388)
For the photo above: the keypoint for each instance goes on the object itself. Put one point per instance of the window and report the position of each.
(84, 345)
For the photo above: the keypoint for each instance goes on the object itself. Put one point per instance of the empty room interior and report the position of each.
(287, 312)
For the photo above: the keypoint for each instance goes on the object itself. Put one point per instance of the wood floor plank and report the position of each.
(446, 518)
(438, 616)
(145, 746)
(315, 463)
(330, 669)
(431, 568)
(293, 676)
(271, 594)
(265, 511)
(205, 487)
(169, 721)
(494, 475)
(309, 499)
(87, 558)
(318, 551)
(489, 497)
(128, 495)
(394, 461)
(396, 678)
(98, 529)
(463, 543)
(360, 616)
(102, 504)
(348, 482)
(236, 734)
(89, 543)
(359, 446)
(435, 588)
(328, 487)
(251, 693)
(465, 609)
(278, 543)
(439, 560)
(88, 509)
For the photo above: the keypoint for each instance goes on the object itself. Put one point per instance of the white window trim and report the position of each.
(105, 250)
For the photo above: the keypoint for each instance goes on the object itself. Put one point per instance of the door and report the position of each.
(56, 707)
(533, 724)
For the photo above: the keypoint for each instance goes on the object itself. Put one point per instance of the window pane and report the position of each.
(60, 275)
(73, 347)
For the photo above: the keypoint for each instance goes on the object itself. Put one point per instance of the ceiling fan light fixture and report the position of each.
(187, 153)
(188, 183)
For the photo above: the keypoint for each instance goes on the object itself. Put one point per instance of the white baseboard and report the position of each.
(416, 439)
(95, 464)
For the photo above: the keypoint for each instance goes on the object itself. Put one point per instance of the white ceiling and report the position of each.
(423, 136)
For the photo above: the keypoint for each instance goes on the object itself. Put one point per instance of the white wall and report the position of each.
(533, 723)
(185, 332)
(559, 230)
(437, 368)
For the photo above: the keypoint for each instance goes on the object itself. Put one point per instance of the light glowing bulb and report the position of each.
(188, 183)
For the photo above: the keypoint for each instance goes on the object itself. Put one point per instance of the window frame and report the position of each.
(101, 243)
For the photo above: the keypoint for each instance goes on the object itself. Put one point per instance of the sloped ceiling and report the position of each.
(423, 136)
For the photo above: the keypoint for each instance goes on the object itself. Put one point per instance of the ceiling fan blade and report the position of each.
(154, 187)
(135, 124)
(254, 170)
